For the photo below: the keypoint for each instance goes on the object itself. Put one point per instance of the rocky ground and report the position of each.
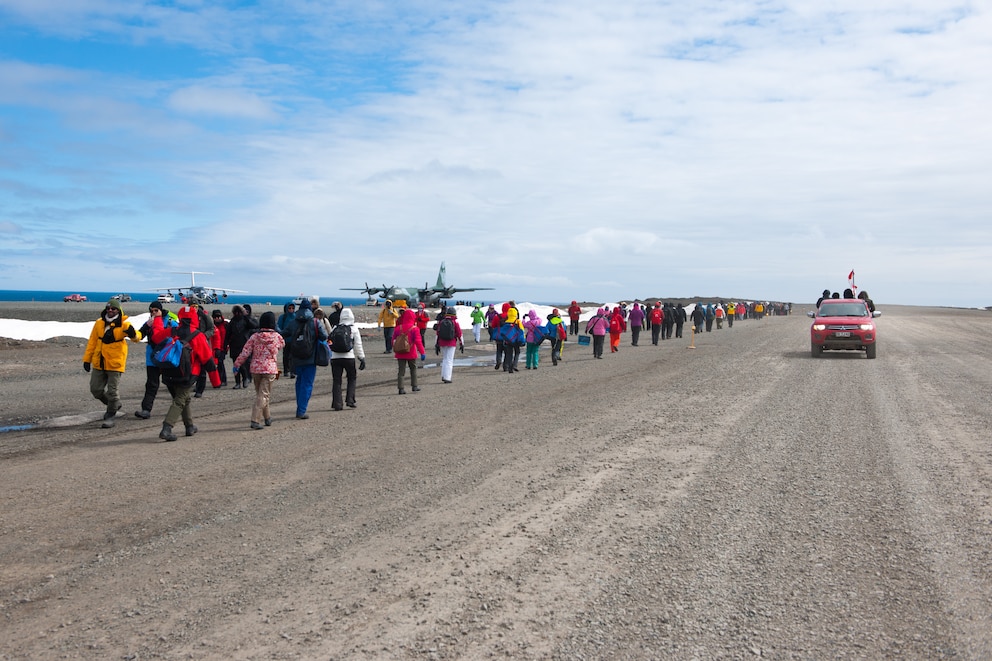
(736, 500)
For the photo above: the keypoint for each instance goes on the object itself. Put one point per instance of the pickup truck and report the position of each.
(74, 298)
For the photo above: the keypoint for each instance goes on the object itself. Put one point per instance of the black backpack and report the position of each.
(304, 341)
(446, 329)
(340, 339)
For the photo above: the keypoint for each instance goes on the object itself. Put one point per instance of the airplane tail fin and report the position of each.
(440, 278)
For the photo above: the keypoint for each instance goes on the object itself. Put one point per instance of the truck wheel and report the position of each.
(870, 350)
(815, 350)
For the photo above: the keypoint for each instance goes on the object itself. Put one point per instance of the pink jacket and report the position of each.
(407, 324)
(263, 347)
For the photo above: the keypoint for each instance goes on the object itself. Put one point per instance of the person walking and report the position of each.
(305, 362)
(422, 319)
(153, 374)
(478, 319)
(617, 326)
(636, 319)
(657, 317)
(262, 348)
(105, 357)
(239, 329)
(219, 344)
(410, 346)
(698, 317)
(449, 336)
(680, 317)
(558, 334)
(574, 312)
(387, 321)
(597, 326)
(346, 363)
(492, 321)
(512, 333)
(534, 332)
(181, 385)
(731, 313)
(283, 324)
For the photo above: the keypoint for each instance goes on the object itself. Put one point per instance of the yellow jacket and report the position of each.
(107, 347)
(388, 317)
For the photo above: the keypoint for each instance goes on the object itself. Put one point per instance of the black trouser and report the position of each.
(499, 353)
(709, 325)
(655, 333)
(339, 367)
(635, 332)
(678, 330)
(387, 335)
(668, 330)
(730, 321)
(555, 350)
(511, 355)
(573, 327)
(597, 345)
(153, 376)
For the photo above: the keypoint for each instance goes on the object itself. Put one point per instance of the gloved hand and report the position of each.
(423, 356)
(437, 349)
(130, 332)
(361, 363)
(86, 367)
(461, 347)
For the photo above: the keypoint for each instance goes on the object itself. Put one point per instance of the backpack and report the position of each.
(340, 339)
(175, 358)
(402, 343)
(562, 333)
(446, 329)
(538, 335)
(616, 326)
(304, 341)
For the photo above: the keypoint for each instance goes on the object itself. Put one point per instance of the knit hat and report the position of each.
(267, 320)
(305, 304)
(155, 304)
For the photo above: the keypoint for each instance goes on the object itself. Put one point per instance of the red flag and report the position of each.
(850, 276)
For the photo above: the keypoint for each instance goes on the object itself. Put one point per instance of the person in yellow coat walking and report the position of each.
(387, 321)
(106, 357)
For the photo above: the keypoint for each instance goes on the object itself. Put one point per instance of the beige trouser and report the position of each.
(263, 393)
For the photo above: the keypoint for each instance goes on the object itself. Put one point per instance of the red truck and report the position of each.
(74, 298)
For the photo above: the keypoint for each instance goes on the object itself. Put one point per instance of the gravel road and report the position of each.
(736, 500)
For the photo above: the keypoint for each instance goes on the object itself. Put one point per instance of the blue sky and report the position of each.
(551, 150)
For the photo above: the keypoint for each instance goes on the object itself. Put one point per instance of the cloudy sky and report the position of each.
(550, 149)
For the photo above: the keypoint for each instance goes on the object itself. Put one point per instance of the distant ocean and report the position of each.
(102, 296)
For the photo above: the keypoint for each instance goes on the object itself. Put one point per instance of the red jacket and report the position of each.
(200, 351)
(574, 311)
(406, 325)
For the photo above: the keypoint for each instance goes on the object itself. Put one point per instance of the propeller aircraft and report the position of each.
(199, 294)
(412, 296)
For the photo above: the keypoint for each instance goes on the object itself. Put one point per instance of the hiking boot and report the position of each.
(108, 424)
(268, 422)
(166, 433)
(302, 416)
(191, 429)
(351, 405)
(402, 392)
(416, 389)
(255, 425)
(109, 414)
(143, 414)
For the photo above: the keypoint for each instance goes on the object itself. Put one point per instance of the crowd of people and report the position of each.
(308, 338)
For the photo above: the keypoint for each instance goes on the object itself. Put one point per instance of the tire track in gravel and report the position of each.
(796, 539)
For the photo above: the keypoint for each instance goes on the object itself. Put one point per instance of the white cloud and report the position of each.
(788, 141)
(197, 99)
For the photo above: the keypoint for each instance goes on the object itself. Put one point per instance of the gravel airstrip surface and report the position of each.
(737, 500)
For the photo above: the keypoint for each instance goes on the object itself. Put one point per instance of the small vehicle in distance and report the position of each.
(123, 298)
(843, 324)
(74, 298)
(166, 298)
